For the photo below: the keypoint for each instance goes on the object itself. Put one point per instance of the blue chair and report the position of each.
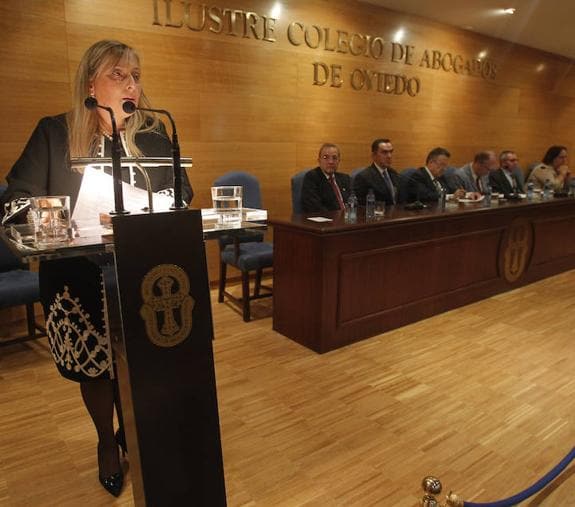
(296, 186)
(520, 177)
(18, 286)
(244, 250)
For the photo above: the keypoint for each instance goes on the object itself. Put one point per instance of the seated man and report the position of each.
(503, 181)
(425, 184)
(475, 175)
(323, 188)
(379, 176)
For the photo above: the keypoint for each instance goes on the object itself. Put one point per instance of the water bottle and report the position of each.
(351, 208)
(547, 190)
(487, 195)
(530, 188)
(442, 198)
(572, 187)
(370, 205)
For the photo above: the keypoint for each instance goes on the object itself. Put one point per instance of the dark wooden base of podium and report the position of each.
(165, 360)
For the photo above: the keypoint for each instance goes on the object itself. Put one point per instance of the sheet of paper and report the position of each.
(320, 219)
(97, 196)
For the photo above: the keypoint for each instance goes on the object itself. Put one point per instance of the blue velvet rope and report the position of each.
(540, 484)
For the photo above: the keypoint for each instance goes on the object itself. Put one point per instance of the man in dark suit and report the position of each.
(379, 176)
(425, 183)
(323, 188)
(503, 181)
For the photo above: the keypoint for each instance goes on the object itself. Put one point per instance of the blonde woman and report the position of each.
(71, 289)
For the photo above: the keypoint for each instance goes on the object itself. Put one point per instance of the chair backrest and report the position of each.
(296, 186)
(8, 260)
(251, 187)
(519, 176)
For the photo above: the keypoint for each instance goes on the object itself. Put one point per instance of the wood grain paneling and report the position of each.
(242, 103)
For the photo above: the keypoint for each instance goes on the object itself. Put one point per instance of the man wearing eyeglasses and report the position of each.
(504, 180)
(379, 176)
(475, 175)
(324, 189)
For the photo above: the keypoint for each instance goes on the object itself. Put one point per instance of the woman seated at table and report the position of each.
(553, 169)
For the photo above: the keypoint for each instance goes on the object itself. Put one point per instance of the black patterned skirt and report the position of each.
(73, 297)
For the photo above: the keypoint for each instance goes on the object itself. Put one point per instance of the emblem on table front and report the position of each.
(167, 308)
(516, 249)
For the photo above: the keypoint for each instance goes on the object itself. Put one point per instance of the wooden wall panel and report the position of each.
(243, 103)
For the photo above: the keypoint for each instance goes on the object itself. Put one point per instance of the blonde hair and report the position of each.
(83, 124)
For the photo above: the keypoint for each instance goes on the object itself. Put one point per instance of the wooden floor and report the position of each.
(483, 397)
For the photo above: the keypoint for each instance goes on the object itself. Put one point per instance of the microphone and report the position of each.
(417, 204)
(91, 103)
(129, 107)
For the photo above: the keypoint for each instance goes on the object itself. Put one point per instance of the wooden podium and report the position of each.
(162, 336)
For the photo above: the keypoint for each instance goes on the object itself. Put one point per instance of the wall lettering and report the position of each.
(185, 14)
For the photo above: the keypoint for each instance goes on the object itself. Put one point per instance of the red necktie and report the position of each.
(336, 191)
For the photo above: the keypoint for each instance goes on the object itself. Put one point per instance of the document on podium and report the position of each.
(96, 197)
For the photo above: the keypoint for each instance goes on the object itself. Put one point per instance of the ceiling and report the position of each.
(541, 24)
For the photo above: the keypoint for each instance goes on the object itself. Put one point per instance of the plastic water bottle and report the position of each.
(370, 205)
(530, 188)
(442, 198)
(351, 208)
(487, 194)
(547, 190)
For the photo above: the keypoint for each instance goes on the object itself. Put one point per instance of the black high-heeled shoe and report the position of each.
(121, 441)
(112, 483)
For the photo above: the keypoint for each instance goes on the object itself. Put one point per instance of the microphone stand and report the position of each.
(117, 169)
(91, 103)
(129, 107)
(417, 204)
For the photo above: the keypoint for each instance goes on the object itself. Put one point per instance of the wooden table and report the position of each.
(336, 283)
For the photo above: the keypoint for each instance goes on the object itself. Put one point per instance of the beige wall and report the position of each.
(242, 103)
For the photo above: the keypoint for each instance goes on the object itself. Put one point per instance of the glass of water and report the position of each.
(51, 215)
(227, 203)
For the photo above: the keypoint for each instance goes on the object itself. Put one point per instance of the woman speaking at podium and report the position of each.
(72, 289)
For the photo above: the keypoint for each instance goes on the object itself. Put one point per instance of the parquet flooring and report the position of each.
(482, 396)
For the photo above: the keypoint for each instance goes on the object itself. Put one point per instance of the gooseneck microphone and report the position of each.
(91, 103)
(129, 107)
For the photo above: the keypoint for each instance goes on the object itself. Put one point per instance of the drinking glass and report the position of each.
(51, 215)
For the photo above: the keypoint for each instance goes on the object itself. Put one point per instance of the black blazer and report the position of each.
(420, 187)
(370, 177)
(44, 166)
(318, 195)
(500, 184)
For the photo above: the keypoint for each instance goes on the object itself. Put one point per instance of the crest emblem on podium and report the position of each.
(167, 308)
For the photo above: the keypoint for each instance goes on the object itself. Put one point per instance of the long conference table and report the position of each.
(336, 282)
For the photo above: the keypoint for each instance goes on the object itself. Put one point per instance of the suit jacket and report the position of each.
(317, 193)
(500, 183)
(420, 187)
(370, 177)
(468, 179)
